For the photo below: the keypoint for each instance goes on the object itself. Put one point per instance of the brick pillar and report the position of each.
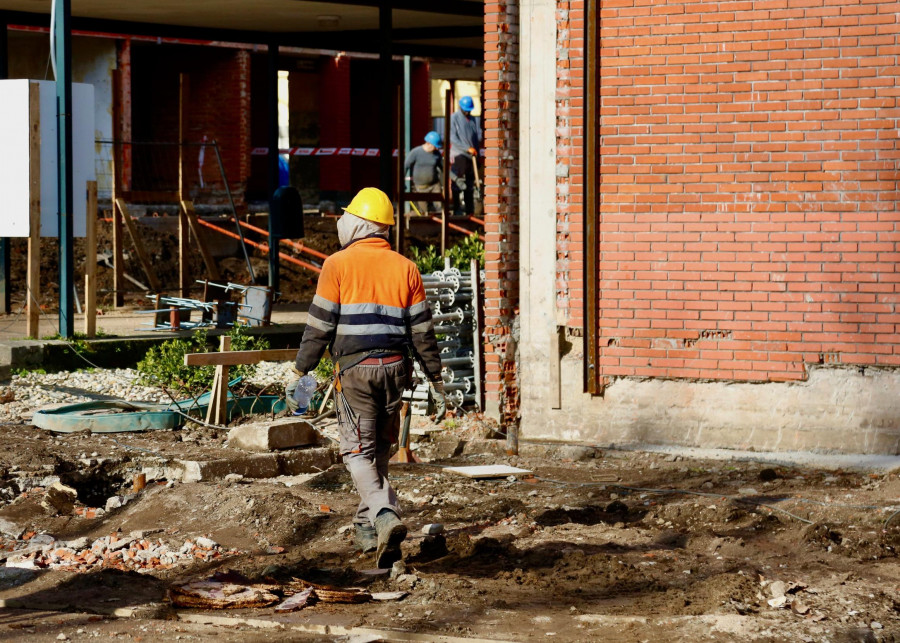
(570, 162)
(420, 93)
(122, 116)
(501, 126)
(243, 93)
(334, 171)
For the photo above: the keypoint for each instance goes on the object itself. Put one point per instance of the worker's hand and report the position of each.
(472, 151)
(440, 399)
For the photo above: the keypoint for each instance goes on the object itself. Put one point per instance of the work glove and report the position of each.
(439, 397)
(472, 151)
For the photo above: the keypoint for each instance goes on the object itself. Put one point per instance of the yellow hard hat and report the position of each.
(372, 204)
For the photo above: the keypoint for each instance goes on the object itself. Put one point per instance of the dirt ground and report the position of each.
(597, 545)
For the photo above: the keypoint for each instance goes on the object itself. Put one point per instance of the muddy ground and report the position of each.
(597, 545)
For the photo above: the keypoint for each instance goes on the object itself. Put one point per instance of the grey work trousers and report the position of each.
(373, 392)
(424, 206)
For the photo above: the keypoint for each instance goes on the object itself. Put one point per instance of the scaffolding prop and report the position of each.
(216, 308)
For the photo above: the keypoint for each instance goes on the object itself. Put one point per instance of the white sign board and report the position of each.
(15, 149)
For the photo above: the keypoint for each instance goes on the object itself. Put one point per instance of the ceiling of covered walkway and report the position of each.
(450, 29)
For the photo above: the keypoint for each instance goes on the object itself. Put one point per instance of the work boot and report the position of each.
(365, 538)
(391, 533)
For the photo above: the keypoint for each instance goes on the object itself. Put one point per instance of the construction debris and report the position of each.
(132, 552)
(59, 498)
(231, 590)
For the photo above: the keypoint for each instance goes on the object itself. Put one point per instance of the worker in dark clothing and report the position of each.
(424, 163)
(465, 141)
(370, 310)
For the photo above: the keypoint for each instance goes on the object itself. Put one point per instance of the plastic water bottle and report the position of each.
(306, 387)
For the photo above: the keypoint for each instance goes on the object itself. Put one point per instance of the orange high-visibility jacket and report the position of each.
(369, 298)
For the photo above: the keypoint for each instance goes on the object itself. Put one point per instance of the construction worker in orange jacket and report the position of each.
(370, 310)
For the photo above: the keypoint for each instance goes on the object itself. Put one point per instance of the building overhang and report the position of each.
(450, 29)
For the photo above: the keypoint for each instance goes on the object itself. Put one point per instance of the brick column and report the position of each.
(501, 214)
(334, 97)
(570, 163)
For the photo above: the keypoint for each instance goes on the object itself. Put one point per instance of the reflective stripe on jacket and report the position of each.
(369, 298)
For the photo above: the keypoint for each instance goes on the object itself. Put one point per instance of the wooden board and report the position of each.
(187, 207)
(488, 471)
(233, 358)
(138, 245)
(33, 273)
(90, 264)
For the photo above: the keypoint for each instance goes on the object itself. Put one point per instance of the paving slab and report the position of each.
(273, 435)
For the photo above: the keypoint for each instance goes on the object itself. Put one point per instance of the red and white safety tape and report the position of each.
(325, 151)
(322, 151)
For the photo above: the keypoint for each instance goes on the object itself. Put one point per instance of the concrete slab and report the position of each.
(273, 435)
(264, 465)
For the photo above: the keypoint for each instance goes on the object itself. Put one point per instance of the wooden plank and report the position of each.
(33, 270)
(138, 245)
(488, 471)
(233, 358)
(187, 207)
(90, 262)
(217, 413)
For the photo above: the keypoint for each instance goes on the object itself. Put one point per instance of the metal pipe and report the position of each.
(447, 330)
(448, 344)
(237, 222)
(455, 316)
(456, 373)
(459, 361)
(288, 242)
(62, 56)
(262, 247)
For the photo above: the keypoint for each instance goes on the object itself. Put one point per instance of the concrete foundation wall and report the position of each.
(842, 410)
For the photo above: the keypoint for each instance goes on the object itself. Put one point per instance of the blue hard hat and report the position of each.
(466, 104)
(435, 139)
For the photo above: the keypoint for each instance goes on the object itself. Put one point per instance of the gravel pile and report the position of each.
(273, 374)
(31, 391)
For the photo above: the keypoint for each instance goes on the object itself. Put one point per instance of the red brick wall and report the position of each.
(748, 199)
(570, 161)
(501, 213)
(218, 107)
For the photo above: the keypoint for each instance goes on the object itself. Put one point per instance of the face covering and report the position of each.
(351, 227)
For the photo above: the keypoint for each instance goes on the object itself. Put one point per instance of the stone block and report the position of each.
(283, 433)
(60, 499)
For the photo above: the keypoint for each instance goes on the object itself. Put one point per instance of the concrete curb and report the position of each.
(264, 465)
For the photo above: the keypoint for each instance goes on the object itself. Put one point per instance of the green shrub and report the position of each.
(462, 253)
(163, 365)
(428, 260)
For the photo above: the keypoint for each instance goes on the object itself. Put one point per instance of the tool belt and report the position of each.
(367, 358)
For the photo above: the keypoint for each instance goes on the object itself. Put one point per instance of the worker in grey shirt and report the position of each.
(465, 141)
(424, 164)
